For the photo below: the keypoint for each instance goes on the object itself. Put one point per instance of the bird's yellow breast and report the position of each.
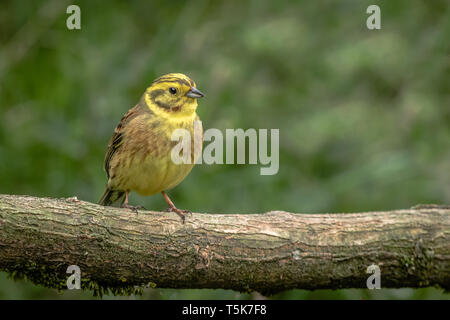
(149, 168)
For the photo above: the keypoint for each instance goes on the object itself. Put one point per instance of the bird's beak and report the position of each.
(194, 93)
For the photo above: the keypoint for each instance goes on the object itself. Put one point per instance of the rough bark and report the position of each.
(118, 249)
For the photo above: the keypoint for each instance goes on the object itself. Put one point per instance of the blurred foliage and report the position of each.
(364, 116)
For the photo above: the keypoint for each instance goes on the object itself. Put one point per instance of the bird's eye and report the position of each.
(172, 90)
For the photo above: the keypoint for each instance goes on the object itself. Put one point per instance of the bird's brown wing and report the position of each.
(117, 138)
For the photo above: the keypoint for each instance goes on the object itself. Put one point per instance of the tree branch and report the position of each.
(118, 249)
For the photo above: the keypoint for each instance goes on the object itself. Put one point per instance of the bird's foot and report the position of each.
(134, 208)
(180, 212)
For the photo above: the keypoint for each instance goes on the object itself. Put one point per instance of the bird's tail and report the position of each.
(112, 197)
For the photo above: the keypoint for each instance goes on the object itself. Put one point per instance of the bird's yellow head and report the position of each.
(173, 95)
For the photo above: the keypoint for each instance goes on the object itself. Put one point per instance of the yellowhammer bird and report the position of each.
(138, 157)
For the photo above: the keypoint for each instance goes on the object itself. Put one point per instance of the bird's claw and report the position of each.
(182, 213)
(134, 208)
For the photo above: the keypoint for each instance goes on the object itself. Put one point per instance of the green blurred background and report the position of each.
(364, 116)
